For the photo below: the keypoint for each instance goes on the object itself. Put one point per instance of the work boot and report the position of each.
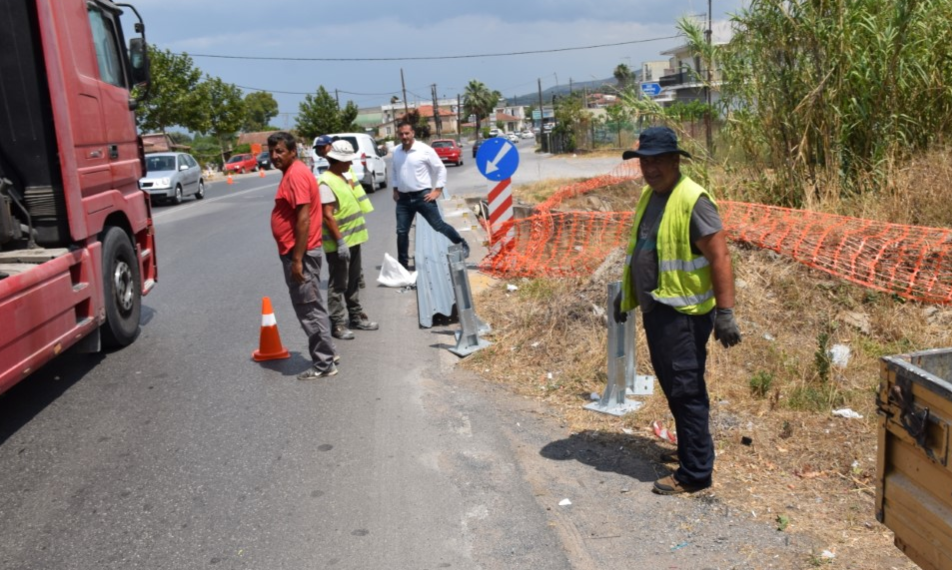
(342, 332)
(363, 323)
(671, 486)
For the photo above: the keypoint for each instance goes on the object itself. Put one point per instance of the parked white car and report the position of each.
(171, 176)
(513, 137)
(370, 168)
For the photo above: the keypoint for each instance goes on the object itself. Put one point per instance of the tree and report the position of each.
(624, 76)
(223, 110)
(617, 118)
(421, 127)
(479, 101)
(173, 97)
(570, 115)
(261, 108)
(320, 115)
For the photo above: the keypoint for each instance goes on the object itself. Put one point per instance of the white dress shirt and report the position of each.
(417, 169)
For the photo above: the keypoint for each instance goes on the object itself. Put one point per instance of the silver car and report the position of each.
(171, 176)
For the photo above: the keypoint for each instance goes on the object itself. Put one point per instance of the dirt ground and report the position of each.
(782, 456)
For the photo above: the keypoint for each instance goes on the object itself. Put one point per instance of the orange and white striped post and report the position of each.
(500, 211)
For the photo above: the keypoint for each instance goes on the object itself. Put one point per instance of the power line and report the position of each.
(433, 57)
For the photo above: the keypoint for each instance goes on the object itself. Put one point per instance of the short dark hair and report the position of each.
(282, 136)
(404, 123)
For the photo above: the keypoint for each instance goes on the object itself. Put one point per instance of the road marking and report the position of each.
(491, 165)
(195, 204)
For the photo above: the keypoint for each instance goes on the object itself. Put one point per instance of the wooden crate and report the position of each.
(913, 475)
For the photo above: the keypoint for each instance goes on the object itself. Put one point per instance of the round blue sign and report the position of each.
(497, 158)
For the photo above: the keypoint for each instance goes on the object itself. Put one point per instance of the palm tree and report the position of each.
(623, 76)
(478, 100)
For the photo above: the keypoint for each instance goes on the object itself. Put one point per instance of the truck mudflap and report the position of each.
(46, 310)
(913, 476)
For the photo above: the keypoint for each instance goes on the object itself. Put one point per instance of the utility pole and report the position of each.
(570, 86)
(436, 112)
(459, 120)
(541, 108)
(406, 110)
(337, 96)
(707, 86)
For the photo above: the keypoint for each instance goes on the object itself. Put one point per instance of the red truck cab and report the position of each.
(77, 247)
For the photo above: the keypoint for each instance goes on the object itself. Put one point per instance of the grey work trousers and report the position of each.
(309, 307)
(343, 290)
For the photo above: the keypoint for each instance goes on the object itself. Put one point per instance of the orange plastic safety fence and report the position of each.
(627, 170)
(909, 261)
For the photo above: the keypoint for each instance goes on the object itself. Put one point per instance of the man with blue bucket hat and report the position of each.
(678, 270)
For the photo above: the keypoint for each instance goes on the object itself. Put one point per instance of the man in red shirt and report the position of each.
(296, 226)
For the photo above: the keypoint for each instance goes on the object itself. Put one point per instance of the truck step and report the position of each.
(35, 256)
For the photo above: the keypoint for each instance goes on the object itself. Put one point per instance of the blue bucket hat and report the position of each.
(322, 141)
(654, 141)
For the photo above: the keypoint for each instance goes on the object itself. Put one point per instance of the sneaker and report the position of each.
(342, 332)
(465, 245)
(336, 359)
(363, 323)
(313, 373)
(671, 486)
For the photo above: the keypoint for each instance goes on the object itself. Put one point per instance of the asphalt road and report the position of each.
(180, 452)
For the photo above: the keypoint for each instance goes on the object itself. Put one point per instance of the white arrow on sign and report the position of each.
(491, 165)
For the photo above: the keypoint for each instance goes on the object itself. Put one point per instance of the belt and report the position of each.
(418, 191)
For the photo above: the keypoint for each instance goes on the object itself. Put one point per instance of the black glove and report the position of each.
(725, 329)
(620, 317)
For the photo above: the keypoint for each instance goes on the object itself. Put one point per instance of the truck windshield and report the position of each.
(159, 163)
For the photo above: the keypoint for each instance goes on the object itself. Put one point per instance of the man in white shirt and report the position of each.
(418, 180)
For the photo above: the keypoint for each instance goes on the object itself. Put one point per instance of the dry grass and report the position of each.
(815, 469)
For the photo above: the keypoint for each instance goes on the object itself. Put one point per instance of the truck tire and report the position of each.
(122, 289)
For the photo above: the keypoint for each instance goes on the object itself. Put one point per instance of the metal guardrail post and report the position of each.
(467, 338)
(622, 379)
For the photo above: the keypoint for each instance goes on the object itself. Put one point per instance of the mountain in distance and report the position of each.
(609, 86)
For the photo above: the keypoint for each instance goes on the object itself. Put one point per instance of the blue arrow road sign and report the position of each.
(651, 89)
(497, 158)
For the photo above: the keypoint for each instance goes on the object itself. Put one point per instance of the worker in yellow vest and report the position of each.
(678, 270)
(345, 231)
(322, 145)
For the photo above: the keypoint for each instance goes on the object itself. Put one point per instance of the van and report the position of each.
(370, 168)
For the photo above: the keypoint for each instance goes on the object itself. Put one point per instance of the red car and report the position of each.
(241, 163)
(448, 151)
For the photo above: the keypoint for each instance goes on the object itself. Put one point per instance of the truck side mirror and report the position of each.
(139, 61)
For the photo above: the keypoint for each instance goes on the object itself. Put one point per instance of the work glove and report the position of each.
(620, 316)
(343, 251)
(725, 328)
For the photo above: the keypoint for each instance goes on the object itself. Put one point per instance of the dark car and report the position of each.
(264, 160)
(475, 148)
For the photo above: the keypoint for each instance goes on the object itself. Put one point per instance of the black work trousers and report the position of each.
(678, 347)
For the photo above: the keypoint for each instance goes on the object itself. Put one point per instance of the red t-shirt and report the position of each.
(297, 187)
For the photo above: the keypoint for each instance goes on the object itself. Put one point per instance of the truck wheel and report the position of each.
(122, 289)
(200, 194)
(178, 194)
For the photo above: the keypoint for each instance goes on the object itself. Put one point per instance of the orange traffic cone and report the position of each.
(261, 173)
(269, 347)
(230, 181)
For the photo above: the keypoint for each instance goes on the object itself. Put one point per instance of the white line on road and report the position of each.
(196, 204)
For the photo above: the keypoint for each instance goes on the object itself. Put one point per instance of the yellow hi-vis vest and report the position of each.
(684, 278)
(350, 220)
(363, 200)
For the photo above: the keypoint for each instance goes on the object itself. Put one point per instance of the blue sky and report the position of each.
(373, 29)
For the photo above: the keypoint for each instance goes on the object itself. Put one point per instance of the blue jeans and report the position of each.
(410, 204)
